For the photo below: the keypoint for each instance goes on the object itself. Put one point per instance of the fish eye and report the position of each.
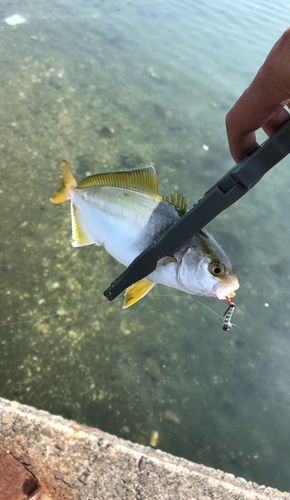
(217, 268)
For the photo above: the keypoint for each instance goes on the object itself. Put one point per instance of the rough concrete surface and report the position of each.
(44, 456)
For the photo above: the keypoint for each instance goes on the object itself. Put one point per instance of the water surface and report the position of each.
(162, 75)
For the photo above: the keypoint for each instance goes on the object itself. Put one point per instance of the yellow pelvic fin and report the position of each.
(136, 291)
(178, 201)
(78, 231)
(68, 181)
(142, 180)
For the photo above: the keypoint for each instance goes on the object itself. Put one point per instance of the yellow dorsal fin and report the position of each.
(78, 231)
(68, 181)
(142, 180)
(136, 291)
(178, 201)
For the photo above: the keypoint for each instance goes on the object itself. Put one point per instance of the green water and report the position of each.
(162, 76)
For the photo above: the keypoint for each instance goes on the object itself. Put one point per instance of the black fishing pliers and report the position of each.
(230, 188)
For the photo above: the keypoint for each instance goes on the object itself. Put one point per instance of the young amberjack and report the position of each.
(123, 212)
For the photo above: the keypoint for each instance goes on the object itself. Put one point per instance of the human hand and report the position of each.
(262, 103)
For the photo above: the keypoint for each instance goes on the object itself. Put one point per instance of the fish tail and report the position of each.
(68, 182)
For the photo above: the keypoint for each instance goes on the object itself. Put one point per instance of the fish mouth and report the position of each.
(224, 290)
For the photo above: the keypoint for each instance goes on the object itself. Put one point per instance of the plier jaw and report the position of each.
(230, 188)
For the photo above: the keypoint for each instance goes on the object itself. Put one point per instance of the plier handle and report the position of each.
(230, 188)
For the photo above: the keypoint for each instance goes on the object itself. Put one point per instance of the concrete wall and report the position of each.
(44, 456)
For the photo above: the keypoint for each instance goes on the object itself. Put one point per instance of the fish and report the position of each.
(124, 213)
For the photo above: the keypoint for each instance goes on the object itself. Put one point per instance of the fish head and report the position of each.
(205, 269)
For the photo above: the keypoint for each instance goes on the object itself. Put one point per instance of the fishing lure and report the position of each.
(227, 325)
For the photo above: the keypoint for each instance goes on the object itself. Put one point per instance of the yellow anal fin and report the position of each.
(142, 180)
(68, 182)
(81, 238)
(178, 201)
(136, 291)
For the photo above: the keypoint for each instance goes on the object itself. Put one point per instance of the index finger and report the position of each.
(262, 103)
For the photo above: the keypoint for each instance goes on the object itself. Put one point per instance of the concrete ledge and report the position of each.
(44, 456)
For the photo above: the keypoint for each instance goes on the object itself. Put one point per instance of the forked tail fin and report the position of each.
(68, 182)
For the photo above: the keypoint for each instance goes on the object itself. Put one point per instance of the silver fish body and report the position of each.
(124, 213)
(124, 222)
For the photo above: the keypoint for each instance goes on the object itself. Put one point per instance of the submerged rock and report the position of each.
(153, 368)
(170, 415)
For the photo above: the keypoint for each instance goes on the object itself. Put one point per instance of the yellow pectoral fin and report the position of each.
(136, 291)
